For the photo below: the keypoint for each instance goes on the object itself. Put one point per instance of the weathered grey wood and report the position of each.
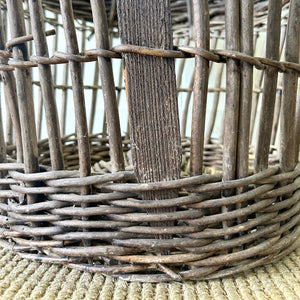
(78, 97)
(151, 93)
(277, 108)
(108, 86)
(8, 128)
(246, 9)
(202, 38)
(47, 89)
(212, 123)
(232, 20)
(83, 42)
(64, 100)
(246, 92)
(24, 91)
(94, 100)
(2, 151)
(54, 47)
(288, 156)
(2, 141)
(297, 136)
(39, 109)
(270, 86)
(276, 117)
(218, 80)
(232, 42)
(2, 138)
(185, 112)
(258, 74)
(10, 91)
(27, 28)
(77, 87)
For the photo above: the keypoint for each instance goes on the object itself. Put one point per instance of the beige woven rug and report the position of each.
(23, 279)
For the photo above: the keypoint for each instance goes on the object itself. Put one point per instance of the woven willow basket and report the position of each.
(151, 204)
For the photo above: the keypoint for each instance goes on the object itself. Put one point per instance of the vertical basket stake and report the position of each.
(243, 140)
(213, 115)
(78, 97)
(64, 100)
(78, 93)
(185, 112)
(108, 86)
(288, 157)
(94, 99)
(270, 87)
(2, 149)
(246, 11)
(257, 87)
(11, 98)
(202, 38)
(232, 22)
(54, 47)
(152, 96)
(278, 100)
(297, 136)
(47, 89)
(24, 92)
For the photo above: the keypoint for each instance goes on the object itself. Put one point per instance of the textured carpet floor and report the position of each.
(23, 279)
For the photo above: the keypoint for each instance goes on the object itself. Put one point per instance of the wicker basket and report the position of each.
(147, 206)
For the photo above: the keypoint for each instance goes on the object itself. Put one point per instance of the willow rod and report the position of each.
(47, 89)
(289, 92)
(246, 41)
(24, 91)
(202, 38)
(11, 98)
(77, 87)
(270, 86)
(108, 86)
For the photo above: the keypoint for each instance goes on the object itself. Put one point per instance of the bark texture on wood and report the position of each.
(151, 93)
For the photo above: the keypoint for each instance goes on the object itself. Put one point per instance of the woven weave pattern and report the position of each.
(213, 197)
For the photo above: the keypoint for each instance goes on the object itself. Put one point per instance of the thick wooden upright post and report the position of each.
(151, 93)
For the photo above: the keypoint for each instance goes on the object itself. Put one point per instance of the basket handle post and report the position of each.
(151, 94)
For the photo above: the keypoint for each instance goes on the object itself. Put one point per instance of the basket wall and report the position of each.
(62, 200)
